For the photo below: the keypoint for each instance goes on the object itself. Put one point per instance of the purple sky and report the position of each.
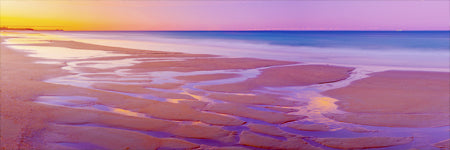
(231, 15)
(294, 15)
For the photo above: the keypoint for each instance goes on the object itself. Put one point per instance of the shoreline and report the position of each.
(310, 55)
(103, 99)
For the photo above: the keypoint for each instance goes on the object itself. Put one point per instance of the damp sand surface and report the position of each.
(142, 99)
(396, 98)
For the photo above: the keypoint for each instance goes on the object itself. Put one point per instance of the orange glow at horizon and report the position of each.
(66, 15)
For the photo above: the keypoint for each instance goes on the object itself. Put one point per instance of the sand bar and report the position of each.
(300, 75)
(396, 99)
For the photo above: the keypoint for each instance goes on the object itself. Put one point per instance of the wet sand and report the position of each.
(363, 143)
(396, 99)
(300, 75)
(137, 99)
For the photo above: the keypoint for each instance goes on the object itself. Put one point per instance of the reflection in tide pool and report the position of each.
(104, 64)
(323, 104)
(317, 105)
(115, 110)
(24, 41)
(196, 96)
(83, 102)
(127, 112)
(69, 101)
(174, 100)
(62, 53)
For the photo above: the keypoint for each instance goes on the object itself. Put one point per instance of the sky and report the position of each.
(226, 15)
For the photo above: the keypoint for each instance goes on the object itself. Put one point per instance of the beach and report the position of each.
(62, 93)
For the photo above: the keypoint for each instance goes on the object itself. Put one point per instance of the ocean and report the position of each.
(417, 50)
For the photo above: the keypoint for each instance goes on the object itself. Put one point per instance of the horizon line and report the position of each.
(228, 30)
(209, 30)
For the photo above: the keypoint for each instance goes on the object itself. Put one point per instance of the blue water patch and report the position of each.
(429, 40)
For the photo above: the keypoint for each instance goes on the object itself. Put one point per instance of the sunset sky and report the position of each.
(226, 15)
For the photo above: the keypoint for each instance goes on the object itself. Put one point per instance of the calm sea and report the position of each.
(375, 40)
(416, 49)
